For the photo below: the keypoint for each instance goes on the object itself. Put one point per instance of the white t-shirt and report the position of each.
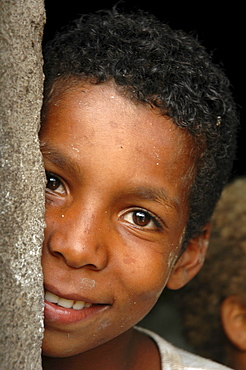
(173, 358)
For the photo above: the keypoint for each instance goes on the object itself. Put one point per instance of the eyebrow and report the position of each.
(158, 195)
(58, 158)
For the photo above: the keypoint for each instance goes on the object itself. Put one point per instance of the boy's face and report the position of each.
(116, 210)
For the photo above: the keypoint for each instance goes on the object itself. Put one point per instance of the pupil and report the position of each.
(141, 218)
(52, 182)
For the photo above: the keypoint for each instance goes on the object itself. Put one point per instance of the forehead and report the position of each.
(101, 116)
(73, 92)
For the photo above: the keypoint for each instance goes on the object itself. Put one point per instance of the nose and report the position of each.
(78, 240)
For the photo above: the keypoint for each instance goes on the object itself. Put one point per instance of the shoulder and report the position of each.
(175, 358)
(191, 361)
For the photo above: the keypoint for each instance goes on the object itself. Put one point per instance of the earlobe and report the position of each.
(190, 261)
(233, 317)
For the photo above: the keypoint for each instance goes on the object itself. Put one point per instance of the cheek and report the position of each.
(142, 288)
(146, 274)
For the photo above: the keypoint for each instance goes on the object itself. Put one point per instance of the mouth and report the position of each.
(59, 310)
(65, 303)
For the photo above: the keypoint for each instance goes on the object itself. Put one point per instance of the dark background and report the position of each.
(219, 29)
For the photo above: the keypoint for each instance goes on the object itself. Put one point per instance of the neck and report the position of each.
(235, 358)
(238, 361)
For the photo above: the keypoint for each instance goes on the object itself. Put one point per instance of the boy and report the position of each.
(138, 135)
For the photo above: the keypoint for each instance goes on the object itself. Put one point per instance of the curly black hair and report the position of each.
(166, 69)
(222, 275)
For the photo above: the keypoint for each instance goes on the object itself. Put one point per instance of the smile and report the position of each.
(66, 303)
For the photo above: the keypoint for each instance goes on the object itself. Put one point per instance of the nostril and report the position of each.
(58, 254)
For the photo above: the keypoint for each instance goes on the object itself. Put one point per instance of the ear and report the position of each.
(233, 316)
(191, 260)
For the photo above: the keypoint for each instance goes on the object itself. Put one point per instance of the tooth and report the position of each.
(50, 297)
(78, 305)
(66, 303)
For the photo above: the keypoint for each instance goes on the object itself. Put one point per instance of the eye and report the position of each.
(54, 183)
(142, 219)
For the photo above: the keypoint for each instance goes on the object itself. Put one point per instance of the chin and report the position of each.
(58, 347)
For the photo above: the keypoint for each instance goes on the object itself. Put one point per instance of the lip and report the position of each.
(61, 315)
(65, 316)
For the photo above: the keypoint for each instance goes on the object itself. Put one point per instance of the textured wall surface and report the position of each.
(22, 184)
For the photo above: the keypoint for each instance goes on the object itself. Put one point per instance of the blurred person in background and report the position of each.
(213, 304)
